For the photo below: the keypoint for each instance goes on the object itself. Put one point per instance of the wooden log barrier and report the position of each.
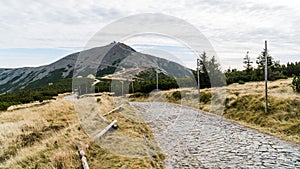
(113, 110)
(112, 124)
(82, 155)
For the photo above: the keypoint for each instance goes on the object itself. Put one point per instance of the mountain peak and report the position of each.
(123, 46)
(112, 62)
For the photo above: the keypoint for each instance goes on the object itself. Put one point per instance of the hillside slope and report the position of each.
(47, 135)
(100, 61)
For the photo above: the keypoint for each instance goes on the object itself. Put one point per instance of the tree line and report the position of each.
(43, 92)
(251, 73)
(210, 75)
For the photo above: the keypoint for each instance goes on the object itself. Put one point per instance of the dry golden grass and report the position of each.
(46, 136)
(244, 104)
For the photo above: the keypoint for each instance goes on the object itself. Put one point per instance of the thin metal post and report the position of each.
(132, 87)
(266, 77)
(198, 77)
(156, 80)
(122, 87)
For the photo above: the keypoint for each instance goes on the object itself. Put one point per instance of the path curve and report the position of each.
(192, 139)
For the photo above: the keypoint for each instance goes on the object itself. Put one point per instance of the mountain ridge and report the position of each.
(107, 59)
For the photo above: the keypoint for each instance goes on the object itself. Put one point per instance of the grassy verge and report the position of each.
(46, 136)
(244, 104)
(282, 120)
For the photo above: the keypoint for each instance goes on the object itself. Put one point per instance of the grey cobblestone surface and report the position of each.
(192, 139)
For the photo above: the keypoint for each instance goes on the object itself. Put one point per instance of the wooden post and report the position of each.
(104, 119)
(113, 110)
(82, 155)
(105, 129)
(266, 77)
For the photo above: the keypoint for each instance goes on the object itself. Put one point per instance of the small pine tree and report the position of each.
(261, 60)
(204, 77)
(274, 68)
(248, 62)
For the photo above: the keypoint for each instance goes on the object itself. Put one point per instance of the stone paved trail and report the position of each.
(192, 139)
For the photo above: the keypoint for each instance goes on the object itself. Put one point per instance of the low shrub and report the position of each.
(9, 152)
(296, 84)
(176, 95)
(138, 94)
(241, 82)
(205, 97)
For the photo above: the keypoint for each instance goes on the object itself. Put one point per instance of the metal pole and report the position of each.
(132, 87)
(198, 77)
(266, 77)
(122, 87)
(156, 80)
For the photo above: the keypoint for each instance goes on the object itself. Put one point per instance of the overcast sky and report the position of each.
(34, 33)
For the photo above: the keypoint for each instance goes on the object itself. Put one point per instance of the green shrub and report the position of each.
(138, 94)
(205, 97)
(241, 82)
(176, 95)
(44, 92)
(5, 105)
(296, 84)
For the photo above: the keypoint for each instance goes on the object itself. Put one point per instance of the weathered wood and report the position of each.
(105, 129)
(104, 119)
(82, 156)
(113, 110)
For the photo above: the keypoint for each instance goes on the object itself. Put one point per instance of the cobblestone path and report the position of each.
(192, 139)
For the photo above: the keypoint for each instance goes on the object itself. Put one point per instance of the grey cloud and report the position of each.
(236, 25)
(105, 13)
(233, 6)
(54, 13)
